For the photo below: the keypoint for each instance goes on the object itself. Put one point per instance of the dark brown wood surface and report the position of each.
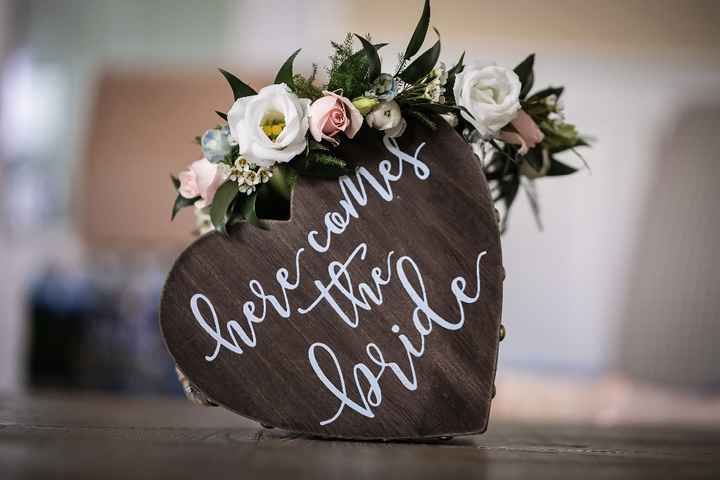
(443, 222)
(110, 438)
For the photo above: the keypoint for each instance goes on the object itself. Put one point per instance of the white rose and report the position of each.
(388, 118)
(271, 126)
(491, 94)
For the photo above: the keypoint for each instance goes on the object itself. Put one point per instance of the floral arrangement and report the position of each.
(290, 129)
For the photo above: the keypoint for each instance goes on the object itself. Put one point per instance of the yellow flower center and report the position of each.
(273, 123)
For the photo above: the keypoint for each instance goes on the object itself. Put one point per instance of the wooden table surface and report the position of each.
(108, 437)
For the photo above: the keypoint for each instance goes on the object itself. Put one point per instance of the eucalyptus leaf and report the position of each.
(374, 66)
(422, 65)
(240, 89)
(221, 115)
(558, 168)
(180, 203)
(285, 74)
(525, 72)
(221, 203)
(418, 36)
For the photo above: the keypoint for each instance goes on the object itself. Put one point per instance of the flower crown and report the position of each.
(290, 129)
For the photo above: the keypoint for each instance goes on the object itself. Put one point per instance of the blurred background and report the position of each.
(612, 311)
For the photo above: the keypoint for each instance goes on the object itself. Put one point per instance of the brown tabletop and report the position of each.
(109, 437)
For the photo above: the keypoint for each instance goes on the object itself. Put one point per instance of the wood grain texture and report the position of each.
(101, 437)
(443, 223)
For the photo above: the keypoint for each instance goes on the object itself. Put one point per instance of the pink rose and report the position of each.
(528, 133)
(201, 179)
(332, 114)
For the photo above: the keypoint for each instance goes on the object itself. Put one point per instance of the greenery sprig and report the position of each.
(249, 173)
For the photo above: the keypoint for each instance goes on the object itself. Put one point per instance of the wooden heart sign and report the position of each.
(374, 313)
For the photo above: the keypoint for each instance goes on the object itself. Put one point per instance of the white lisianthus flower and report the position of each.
(270, 127)
(388, 118)
(490, 94)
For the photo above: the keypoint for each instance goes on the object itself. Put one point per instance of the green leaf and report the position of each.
(525, 72)
(422, 64)
(180, 203)
(544, 93)
(535, 158)
(240, 89)
(436, 107)
(354, 57)
(377, 46)
(175, 181)
(285, 74)
(221, 203)
(222, 115)
(558, 168)
(418, 36)
(273, 199)
(452, 73)
(321, 165)
(245, 206)
(349, 68)
(424, 119)
(458, 66)
(533, 201)
(283, 180)
(374, 66)
(466, 112)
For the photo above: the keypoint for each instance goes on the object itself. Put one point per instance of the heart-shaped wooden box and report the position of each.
(374, 313)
